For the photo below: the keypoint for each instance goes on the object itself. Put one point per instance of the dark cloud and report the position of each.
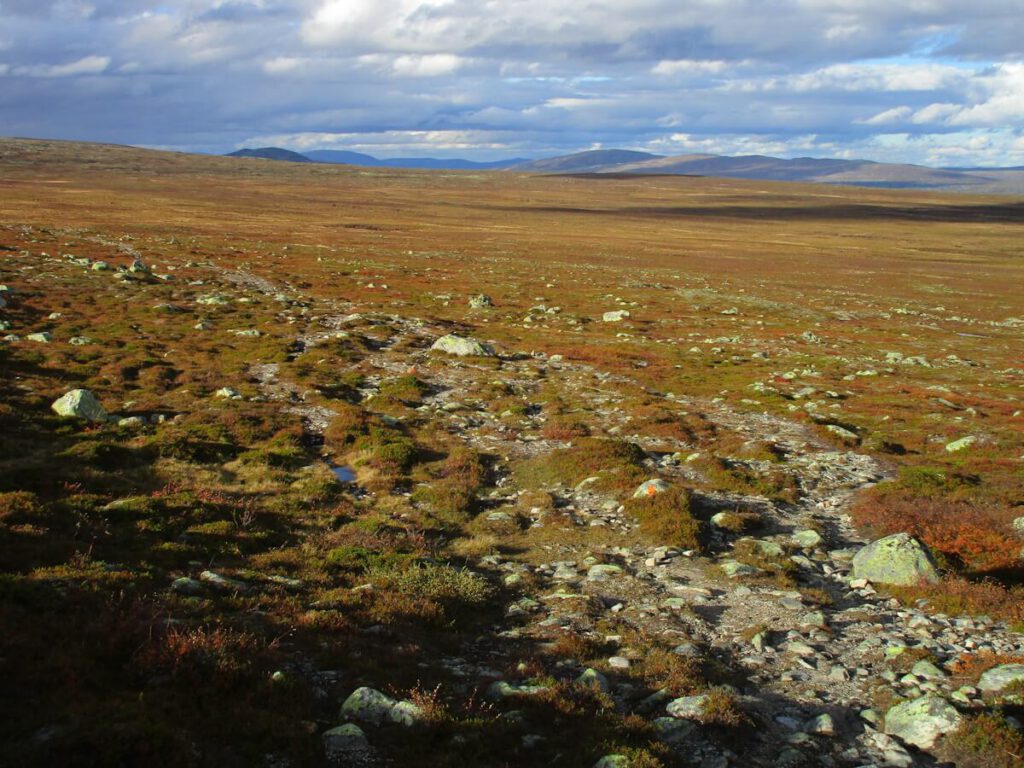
(917, 81)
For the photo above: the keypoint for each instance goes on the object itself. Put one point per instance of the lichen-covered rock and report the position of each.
(81, 404)
(501, 689)
(899, 559)
(961, 444)
(998, 679)
(453, 344)
(616, 316)
(347, 745)
(480, 301)
(651, 488)
(687, 707)
(591, 678)
(612, 761)
(807, 539)
(922, 722)
(368, 705)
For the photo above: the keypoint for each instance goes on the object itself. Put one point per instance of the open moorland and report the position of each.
(614, 518)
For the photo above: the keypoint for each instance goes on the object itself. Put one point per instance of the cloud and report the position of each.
(532, 77)
(89, 65)
(431, 65)
(893, 115)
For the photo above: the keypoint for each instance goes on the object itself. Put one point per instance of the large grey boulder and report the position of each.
(453, 344)
(922, 722)
(998, 679)
(81, 404)
(899, 559)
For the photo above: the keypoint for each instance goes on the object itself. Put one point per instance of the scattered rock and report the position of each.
(81, 404)
(480, 301)
(462, 347)
(998, 679)
(961, 444)
(921, 722)
(616, 316)
(651, 488)
(899, 559)
(369, 705)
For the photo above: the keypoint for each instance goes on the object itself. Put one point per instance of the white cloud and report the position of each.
(90, 65)
(934, 113)
(894, 115)
(1002, 101)
(431, 65)
(690, 67)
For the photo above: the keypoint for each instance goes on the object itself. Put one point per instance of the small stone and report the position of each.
(616, 316)
(619, 662)
(480, 301)
(44, 337)
(228, 393)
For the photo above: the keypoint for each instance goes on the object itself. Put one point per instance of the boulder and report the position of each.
(615, 317)
(347, 744)
(807, 539)
(998, 679)
(961, 444)
(453, 344)
(687, 707)
(651, 488)
(922, 722)
(899, 559)
(368, 705)
(81, 404)
(480, 301)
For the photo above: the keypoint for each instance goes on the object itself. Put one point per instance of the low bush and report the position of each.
(665, 518)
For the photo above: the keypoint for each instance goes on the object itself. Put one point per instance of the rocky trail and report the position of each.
(814, 662)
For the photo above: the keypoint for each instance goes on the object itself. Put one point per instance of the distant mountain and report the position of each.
(272, 153)
(435, 163)
(341, 156)
(591, 161)
(800, 169)
(755, 167)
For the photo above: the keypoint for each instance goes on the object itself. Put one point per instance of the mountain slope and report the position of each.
(800, 169)
(272, 153)
(591, 161)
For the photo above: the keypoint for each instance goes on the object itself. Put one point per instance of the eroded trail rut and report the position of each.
(811, 663)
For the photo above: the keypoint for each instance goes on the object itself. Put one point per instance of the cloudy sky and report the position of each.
(939, 82)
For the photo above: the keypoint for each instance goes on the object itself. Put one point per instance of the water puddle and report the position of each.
(344, 474)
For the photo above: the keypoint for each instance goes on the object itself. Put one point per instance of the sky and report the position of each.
(936, 82)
